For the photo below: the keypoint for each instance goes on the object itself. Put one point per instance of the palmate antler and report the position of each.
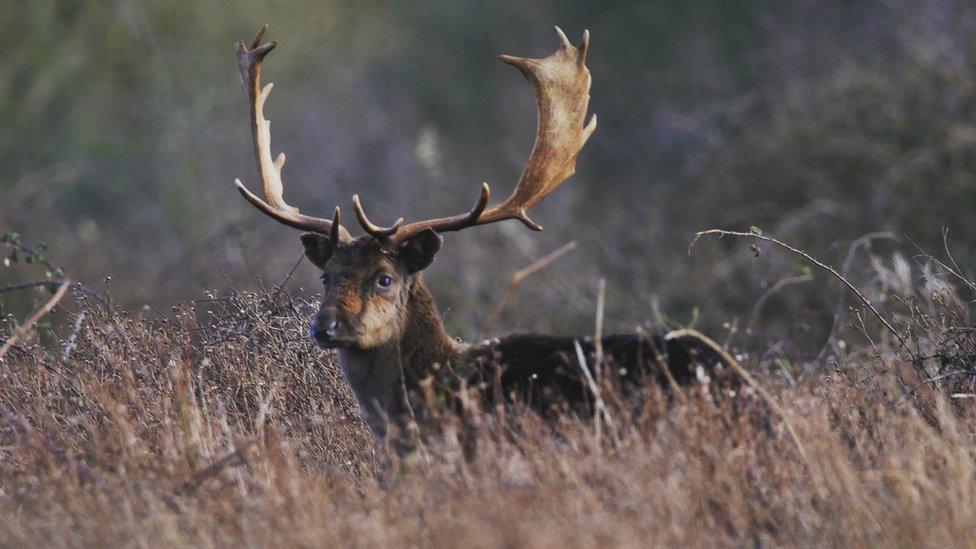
(561, 84)
(249, 59)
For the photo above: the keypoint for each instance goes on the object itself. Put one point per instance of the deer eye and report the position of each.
(384, 281)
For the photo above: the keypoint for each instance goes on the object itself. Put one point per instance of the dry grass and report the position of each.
(222, 425)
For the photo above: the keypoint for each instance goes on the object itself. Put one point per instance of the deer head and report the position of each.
(368, 280)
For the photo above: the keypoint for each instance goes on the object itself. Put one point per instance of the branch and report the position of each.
(864, 241)
(26, 326)
(521, 274)
(27, 285)
(779, 285)
(914, 389)
(815, 261)
(37, 252)
(77, 287)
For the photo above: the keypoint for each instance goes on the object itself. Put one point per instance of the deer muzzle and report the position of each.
(326, 329)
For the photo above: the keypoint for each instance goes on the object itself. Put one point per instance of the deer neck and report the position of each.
(380, 376)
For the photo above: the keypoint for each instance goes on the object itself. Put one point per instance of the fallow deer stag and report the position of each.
(381, 317)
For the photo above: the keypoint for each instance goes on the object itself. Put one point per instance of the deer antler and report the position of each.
(561, 85)
(249, 59)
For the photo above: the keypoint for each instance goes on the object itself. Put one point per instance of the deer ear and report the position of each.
(418, 252)
(318, 248)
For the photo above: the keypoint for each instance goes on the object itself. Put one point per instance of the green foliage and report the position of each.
(30, 255)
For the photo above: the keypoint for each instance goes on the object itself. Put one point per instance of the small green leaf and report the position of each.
(755, 230)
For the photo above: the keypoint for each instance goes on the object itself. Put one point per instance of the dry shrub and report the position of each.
(220, 424)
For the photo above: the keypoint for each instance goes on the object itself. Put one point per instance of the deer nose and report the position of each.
(324, 328)
(332, 328)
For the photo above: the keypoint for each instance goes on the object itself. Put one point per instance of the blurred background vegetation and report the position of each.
(124, 125)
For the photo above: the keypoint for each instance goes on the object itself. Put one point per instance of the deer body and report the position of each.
(540, 370)
(382, 319)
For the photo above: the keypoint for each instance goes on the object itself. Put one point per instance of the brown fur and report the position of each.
(393, 346)
(376, 310)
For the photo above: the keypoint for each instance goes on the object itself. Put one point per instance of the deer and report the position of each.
(380, 317)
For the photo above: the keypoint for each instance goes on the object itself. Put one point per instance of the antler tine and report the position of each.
(249, 60)
(374, 230)
(291, 219)
(561, 85)
(584, 47)
(260, 36)
(336, 226)
(562, 37)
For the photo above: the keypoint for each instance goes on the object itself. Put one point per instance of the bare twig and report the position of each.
(26, 326)
(103, 299)
(73, 337)
(520, 275)
(818, 263)
(933, 379)
(663, 364)
(601, 407)
(28, 285)
(956, 272)
(56, 282)
(288, 278)
(864, 241)
(779, 285)
(598, 328)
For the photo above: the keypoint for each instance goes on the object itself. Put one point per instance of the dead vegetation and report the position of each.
(218, 423)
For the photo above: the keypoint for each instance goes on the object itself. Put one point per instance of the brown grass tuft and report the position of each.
(220, 424)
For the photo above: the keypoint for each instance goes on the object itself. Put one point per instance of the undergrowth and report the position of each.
(218, 423)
